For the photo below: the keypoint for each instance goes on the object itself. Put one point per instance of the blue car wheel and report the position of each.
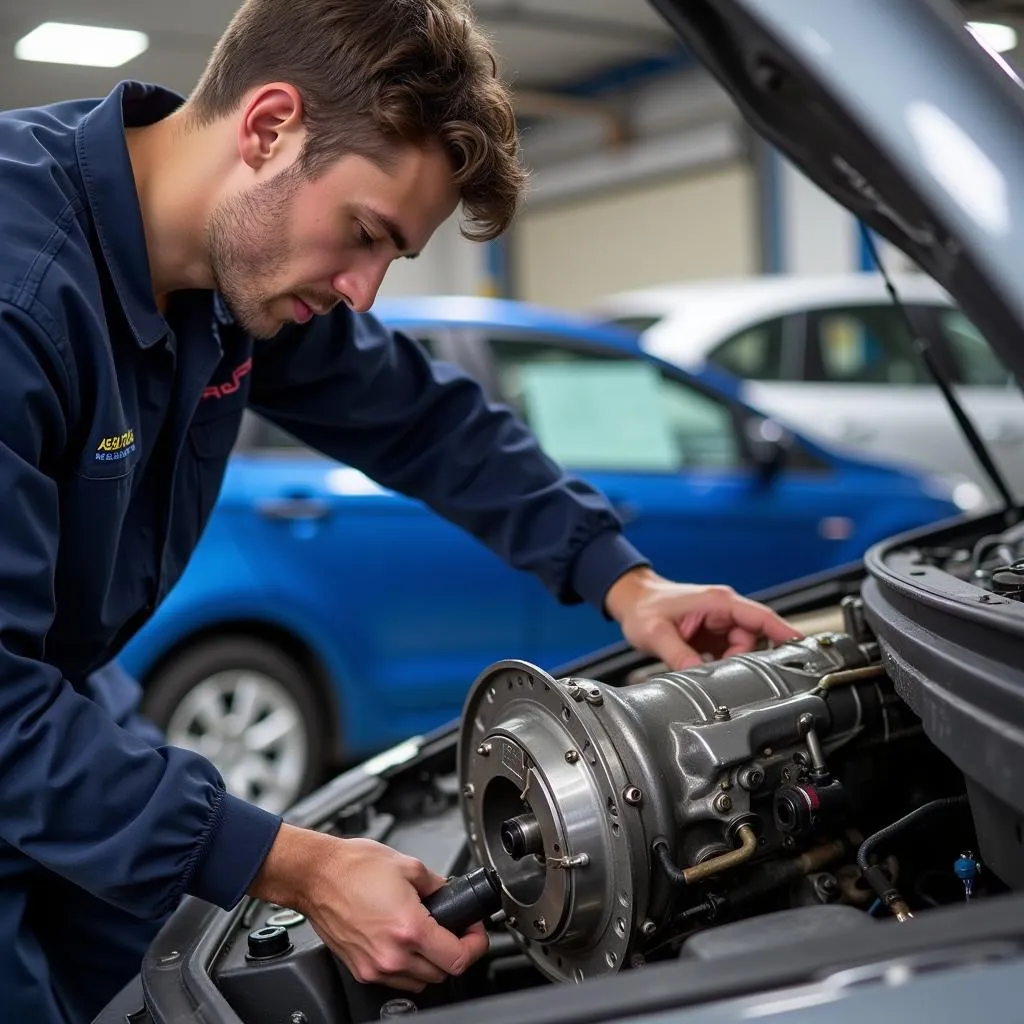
(248, 708)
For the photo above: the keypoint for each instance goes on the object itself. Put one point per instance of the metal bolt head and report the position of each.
(468, 790)
(541, 925)
(752, 779)
(722, 803)
(767, 752)
(722, 713)
(512, 921)
(484, 749)
(594, 697)
(725, 785)
(648, 928)
(298, 1017)
(786, 775)
(826, 886)
(632, 795)
(572, 756)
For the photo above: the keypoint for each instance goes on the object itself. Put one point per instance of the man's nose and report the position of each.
(359, 288)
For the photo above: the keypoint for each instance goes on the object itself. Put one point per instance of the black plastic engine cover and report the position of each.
(955, 654)
(754, 935)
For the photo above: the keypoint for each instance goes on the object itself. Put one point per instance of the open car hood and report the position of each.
(895, 110)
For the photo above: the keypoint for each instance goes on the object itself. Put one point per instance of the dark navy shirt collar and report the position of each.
(110, 189)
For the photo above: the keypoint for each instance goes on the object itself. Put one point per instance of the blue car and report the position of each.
(323, 618)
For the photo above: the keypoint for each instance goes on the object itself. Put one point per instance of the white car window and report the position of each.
(975, 361)
(863, 345)
(596, 411)
(754, 354)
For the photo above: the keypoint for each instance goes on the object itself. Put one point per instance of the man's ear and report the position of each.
(271, 128)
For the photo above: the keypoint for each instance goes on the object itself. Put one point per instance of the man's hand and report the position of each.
(678, 622)
(364, 900)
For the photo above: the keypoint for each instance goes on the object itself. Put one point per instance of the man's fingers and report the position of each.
(425, 881)
(422, 970)
(406, 970)
(448, 952)
(664, 641)
(475, 942)
(740, 641)
(757, 619)
(403, 982)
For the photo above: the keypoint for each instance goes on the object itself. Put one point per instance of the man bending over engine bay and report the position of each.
(156, 249)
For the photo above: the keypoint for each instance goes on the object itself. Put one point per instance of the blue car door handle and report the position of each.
(293, 508)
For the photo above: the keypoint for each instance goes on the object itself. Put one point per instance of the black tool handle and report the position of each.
(463, 901)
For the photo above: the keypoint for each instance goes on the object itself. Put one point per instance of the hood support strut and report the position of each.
(923, 346)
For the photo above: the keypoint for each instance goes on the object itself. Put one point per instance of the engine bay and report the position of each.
(634, 816)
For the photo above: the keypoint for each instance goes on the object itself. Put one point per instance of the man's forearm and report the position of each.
(285, 877)
(372, 400)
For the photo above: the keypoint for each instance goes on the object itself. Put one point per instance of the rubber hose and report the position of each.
(874, 875)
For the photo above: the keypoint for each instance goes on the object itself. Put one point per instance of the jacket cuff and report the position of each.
(235, 851)
(600, 564)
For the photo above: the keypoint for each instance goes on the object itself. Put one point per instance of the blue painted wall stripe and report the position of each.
(496, 283)
(865, 259)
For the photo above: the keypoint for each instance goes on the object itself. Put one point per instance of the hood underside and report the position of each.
(894, 109)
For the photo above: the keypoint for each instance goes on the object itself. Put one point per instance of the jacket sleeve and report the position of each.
(134, 825)
(372, 399)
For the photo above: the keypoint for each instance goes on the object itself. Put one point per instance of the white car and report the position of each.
(833, 356)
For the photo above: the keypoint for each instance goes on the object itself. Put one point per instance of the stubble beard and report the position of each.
(246, 245)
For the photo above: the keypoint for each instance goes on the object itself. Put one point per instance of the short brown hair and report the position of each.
(374, 74)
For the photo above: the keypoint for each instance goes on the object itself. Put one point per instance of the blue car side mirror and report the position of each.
(768, 445)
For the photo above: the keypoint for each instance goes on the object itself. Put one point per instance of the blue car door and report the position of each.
(675, 460)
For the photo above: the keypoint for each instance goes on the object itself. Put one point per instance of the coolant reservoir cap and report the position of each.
(268, 942)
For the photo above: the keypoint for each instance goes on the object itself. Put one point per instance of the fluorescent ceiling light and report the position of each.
(1000, 38)
(57, 43)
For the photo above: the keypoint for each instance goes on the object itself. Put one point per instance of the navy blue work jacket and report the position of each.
(116, 421)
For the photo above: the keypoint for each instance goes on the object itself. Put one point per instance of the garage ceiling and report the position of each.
(546, 46)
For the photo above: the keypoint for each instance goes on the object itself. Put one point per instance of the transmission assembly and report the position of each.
(601, 808)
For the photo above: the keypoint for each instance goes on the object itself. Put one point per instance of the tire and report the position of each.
(198, 696)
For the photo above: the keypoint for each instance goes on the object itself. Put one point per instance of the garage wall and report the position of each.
(570, 252)
(449, 264)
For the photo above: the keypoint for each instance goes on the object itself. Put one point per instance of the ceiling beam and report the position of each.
(519, 15)
(537, 103)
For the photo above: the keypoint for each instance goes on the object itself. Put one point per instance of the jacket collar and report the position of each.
(110, 189)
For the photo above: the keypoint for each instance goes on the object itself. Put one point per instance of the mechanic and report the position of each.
(166, 263)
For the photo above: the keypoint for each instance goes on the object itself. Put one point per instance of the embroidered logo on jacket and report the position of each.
(117, 446)
(231, 386)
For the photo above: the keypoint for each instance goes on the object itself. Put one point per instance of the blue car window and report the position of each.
(593, 410)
